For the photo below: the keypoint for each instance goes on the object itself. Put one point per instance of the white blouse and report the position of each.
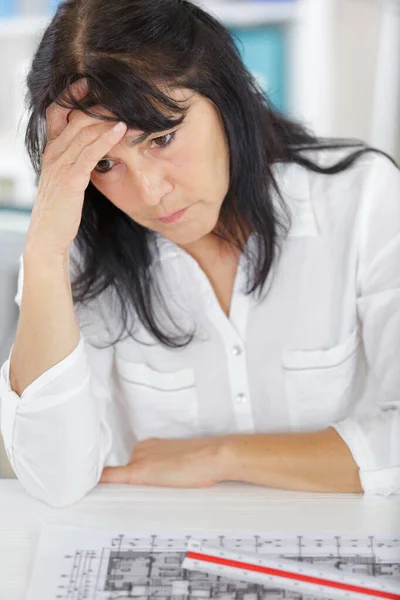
(320, 348)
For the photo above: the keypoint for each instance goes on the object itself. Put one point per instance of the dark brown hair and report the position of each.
(129, 51)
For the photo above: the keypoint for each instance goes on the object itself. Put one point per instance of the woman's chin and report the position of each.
(185, 236)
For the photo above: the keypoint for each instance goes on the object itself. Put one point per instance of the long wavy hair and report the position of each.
(132, 52)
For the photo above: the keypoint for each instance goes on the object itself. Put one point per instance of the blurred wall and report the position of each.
(356, 31)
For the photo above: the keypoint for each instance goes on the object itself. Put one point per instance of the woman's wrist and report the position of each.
(228, 460)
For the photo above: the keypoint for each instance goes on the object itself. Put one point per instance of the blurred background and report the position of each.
(334, 64)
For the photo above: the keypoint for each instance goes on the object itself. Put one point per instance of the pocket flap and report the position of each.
(322, 358)
(142, 374)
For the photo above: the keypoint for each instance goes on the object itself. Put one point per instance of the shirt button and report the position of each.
(241, 398)
(236, 350)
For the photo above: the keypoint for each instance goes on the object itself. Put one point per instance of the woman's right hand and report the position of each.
(75, 144)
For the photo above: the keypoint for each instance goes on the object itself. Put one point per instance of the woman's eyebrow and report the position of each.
(135, 141)
(131, 140)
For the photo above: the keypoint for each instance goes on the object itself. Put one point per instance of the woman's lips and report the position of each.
(174, 218)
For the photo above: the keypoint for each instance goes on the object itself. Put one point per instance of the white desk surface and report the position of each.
(227, 507)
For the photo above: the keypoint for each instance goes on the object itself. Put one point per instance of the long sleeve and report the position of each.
(372, 431)
(56, 434)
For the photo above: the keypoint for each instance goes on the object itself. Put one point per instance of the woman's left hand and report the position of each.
(191, 463)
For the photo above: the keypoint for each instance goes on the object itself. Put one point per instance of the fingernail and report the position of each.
(119, 127)
(82, 84)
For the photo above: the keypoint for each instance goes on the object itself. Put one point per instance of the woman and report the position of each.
(231, 307)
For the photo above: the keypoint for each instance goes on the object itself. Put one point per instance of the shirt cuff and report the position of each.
(48, 391)
(381, 482)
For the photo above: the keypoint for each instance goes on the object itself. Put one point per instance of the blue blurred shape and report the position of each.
(263, 50)
(8, 8)
(53, 5)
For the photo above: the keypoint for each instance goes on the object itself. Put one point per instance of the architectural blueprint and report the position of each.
(80, 564)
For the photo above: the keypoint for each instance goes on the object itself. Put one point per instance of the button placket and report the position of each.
(237, 363)
(241, 398)
(232, 331)
(238, 376)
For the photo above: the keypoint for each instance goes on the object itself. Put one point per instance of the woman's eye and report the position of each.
(106, 165)
(101, 166)
(164, 140)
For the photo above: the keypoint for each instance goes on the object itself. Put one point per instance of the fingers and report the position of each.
(76, 139)
(116, 475)
(77, 121)
(57, 116)
(84, 155)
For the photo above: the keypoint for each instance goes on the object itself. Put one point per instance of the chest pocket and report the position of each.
(159, 404)
(320, 385)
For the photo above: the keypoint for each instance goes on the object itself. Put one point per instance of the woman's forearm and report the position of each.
(317, 461)
(47, 328)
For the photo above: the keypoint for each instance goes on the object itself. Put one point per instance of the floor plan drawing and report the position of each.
(78, 564)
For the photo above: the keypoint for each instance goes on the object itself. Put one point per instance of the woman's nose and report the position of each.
(153, 186)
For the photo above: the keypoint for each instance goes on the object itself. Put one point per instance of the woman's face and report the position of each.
(186, 168)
